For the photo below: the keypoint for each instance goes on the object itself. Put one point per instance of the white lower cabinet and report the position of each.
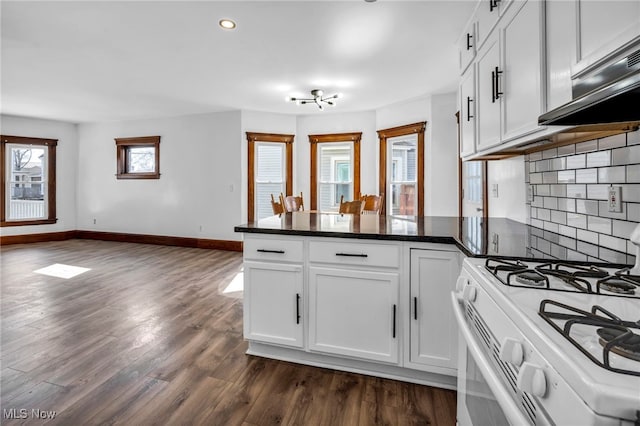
(354, 313)
(273, 303)
(434, 333)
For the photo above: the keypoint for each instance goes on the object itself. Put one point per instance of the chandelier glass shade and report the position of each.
(317, 98)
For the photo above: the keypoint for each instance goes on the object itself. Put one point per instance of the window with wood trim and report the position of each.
(335, 169)
(138, 157)
(28, 181)
(401, 172)
(270, 171)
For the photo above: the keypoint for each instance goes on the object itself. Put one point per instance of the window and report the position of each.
(28, 181)
(335, 169)
(402, 169)
(270, 171)
(138, 158)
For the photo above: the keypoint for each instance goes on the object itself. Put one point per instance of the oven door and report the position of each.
(483, 398)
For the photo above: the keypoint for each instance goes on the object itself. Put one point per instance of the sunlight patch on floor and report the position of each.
(62, 271)
(236, 284)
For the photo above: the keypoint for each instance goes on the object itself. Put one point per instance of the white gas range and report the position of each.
(547, 343)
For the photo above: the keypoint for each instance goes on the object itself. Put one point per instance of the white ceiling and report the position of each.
(82, 61)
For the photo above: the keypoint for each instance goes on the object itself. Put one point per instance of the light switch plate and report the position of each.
(494, 190)
(614, 199)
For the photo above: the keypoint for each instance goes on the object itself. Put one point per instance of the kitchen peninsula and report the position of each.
(364, 293)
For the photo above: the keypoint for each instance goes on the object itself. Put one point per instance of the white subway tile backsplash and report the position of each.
(612, 142)
(597, 192)
(587, 176)
(589, 207)
(587, 146)
(566, 150)
(599, 224)
(569, 214)
(566, 176)
(588, 236)
(603, 211)
(576, 161)
(599, 159)
(612, 174)
(576, 191)
(550, 203)
(613, 243)
(628, 155)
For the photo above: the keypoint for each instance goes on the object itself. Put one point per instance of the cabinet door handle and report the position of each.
(469, 116)
(270, 251)
(352, 254)
(394, 321)
(493, 86)
(498, 92)
(493, 4)
(415, 308)
(297, 308)
(469, 37)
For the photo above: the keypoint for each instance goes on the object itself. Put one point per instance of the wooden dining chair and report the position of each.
(278, 207)
(292, 203)
(350, 207)
(372, 203)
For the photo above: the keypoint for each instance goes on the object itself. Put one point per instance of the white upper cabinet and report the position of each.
(488, 104)
(603, 27)
(519, 82)
(561, 51)
(468, 112)
(487, 14)
(467, 46)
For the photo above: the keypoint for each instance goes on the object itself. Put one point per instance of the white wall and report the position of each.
(364, 122)
(199, 186)
(264, 122)
(441, 158)
(508, 174)
(66, 161)
(399, 114)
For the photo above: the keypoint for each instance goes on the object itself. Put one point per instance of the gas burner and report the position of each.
(495, 265)
(625, 275)
(530, 278)
(616, 284)
(572, 277)
(620, 341)
(617, 336)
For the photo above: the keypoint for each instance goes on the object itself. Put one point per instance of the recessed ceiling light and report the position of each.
(227, 24)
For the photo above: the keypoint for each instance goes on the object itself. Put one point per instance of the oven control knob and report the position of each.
(469, 293)
(512, 351)
(531, 379)
(461, 283)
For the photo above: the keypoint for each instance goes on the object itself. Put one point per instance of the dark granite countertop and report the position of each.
(474, 236)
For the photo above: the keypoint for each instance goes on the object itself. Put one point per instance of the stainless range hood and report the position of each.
(608, 94)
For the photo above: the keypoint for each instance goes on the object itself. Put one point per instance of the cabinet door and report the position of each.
(354, 313)
(468, 112)
(560, 24)
(488, 107)
(487, 16)
(273, 303)
(467, 46)
(433, 326)
(520, 81)
(604, 26)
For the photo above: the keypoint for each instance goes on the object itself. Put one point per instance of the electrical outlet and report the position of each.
(94, 220)
(494, 190)
(614, 199)
(530, 195)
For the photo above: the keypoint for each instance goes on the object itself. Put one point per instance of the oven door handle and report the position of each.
(504, 397)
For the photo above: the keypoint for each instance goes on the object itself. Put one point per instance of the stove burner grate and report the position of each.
(622, 338)
(572, 278)
(620, 341)
(530, 278)
(616, 284)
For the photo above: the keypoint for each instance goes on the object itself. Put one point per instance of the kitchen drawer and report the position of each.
(284, 250)
(347, 253)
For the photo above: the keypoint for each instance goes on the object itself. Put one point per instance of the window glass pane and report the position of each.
(403, 172)
(335, 163)
(270, 176)
(27, 185)
(141, 159)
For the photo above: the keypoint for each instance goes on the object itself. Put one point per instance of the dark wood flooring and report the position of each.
(148, 336)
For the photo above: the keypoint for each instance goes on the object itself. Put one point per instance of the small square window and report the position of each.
(138, 158)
